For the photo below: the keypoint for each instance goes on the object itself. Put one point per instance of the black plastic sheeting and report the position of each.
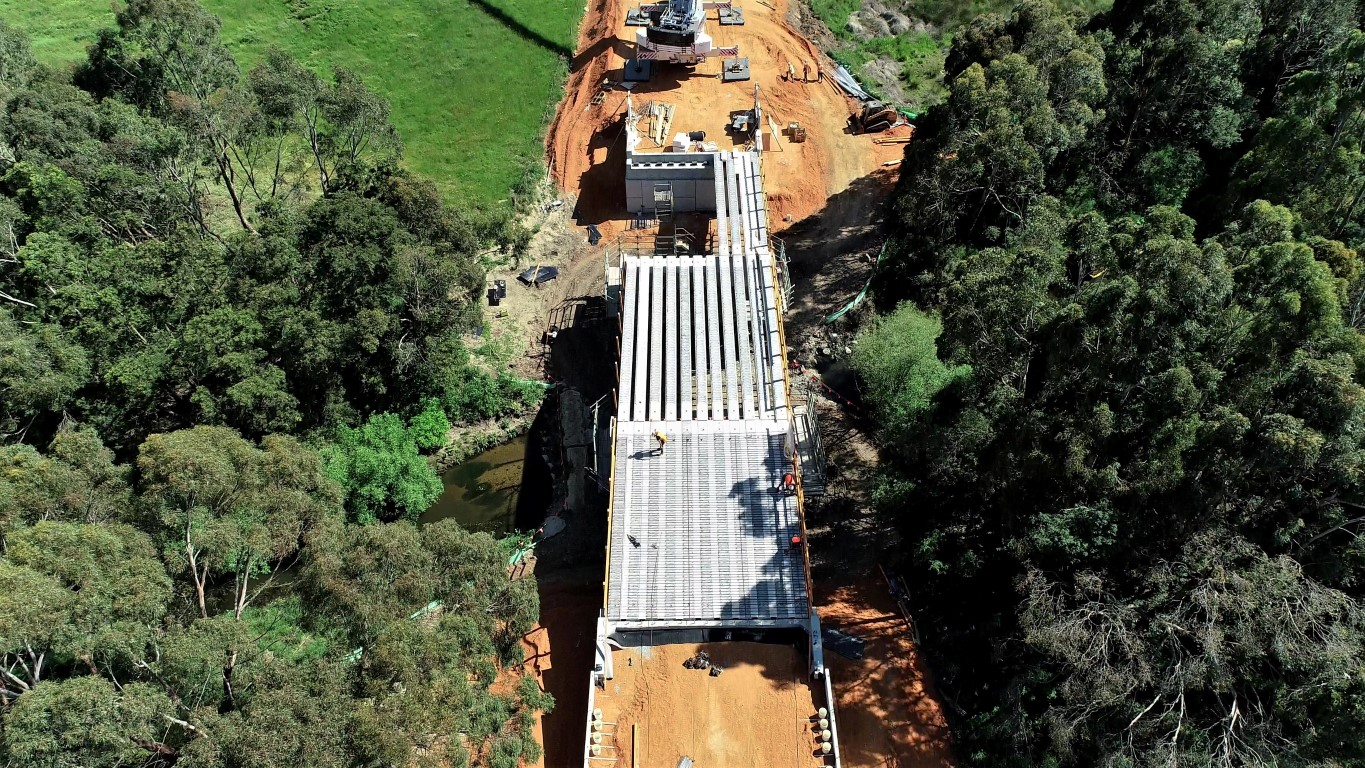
(594, 234)
(538, 275)
(845, 645)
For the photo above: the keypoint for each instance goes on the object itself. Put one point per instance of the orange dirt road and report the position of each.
(889, 713)
(586, 150)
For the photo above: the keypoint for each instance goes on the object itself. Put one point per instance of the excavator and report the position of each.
(874, 117)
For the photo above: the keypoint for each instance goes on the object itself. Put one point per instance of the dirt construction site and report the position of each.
(757, 712)
(762, 708)
(585, 147)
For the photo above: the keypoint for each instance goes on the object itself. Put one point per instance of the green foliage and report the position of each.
(835, 13)
(372, 578)
(438, 102)
(381, 471)
(78, 591)
(161, 50)
(85, 721)
(954, 14)
(1151, 481)
(428, 674)
(1169, 174)
(250, 707)
(917, 53)
(138, 306)
(192, 263)
(1027, 92)
(897, 359)
(295, 716)
(40, 370)
(471, 394)
(1307, 155)
(1223, 620)
(278, 628)
(77, 482)
(532, 696)
(221, 506)
(429, 427)
(1073, 535)
(119, 647)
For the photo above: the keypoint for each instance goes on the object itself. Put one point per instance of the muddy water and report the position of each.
(481, 494)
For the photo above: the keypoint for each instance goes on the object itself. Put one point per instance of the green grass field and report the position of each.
(470, 83)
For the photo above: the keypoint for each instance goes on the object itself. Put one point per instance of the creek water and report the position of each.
(506, 488)
(482, 493)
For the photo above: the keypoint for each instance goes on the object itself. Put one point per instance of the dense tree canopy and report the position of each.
(186, 246)
(217, 291)
(148, 628)
(1141, 234)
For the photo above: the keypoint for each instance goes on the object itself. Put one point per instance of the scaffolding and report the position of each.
(809, 446)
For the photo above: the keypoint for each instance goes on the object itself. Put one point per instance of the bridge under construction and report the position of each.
(706, 532)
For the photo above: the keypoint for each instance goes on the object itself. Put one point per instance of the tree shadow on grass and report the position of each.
(521, 29)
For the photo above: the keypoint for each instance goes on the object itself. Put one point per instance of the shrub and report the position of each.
(429, 427)
(381, 470)
(897, 357)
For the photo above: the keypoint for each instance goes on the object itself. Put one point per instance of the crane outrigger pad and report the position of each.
(734, 70)
(637, 70)
(731, 17)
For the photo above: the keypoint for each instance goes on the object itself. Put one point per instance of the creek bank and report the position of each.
(469, 440)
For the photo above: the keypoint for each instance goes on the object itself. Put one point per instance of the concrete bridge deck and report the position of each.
(701, 534)
(699, 340)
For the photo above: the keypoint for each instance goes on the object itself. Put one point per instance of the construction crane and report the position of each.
(676, 33)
